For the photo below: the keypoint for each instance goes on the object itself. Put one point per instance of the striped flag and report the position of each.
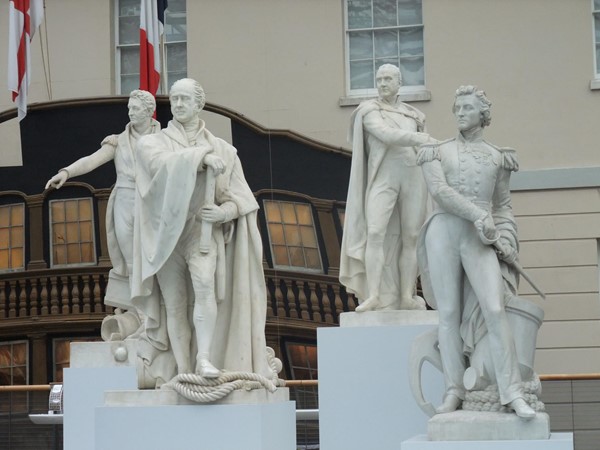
(152, 19)
(25, 16)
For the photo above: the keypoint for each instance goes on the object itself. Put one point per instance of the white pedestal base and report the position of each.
(104, 410)
(270, 426)
(557, 441)
(365, 400)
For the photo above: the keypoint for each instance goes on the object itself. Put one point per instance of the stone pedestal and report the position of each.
(557, 441)
(487, 426)
(104, 409)
(365, 400)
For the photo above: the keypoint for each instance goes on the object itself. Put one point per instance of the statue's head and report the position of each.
(388, 80)
(187, 99)
(141, 106)
(471, 108)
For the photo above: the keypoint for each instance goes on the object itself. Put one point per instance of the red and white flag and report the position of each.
(152, 19)
(25, 16)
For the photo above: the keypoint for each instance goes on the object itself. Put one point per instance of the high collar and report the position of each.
(176, 131)
(471, 136)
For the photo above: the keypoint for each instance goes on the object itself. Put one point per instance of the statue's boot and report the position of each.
(414, 303)
(371, 304)
(205, 369)
(450, 404)
(522, 409)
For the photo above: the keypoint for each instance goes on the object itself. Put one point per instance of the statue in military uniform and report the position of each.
(465, 250)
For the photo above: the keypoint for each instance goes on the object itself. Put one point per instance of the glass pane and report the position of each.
(60, 254)
(288, 213)
(71, 210)
(4, 216)
(386, 43)
(304, 214)
(4, 262)
(276, 233)
(359, 14)
(19, 354)
(297, 354)
(85, 209)
(172, 77)
(384, 13)
(59, 233)
(296, 257)
(411, 42)
(129, 83)
(272, 212)
(312, 258)
(382, 61)
(5, 377)
(16, 237)
(4, 237)
(130, 61)
(292, 236)
(361, 75)
(5, 355)
(280, 255)
(176, 6)
(73, 255)
(412, 71)
(301, 374)
(597, 58)
(129, 30)
(596, 4)
(87, 253)
(19, 375)
(177, 57)
(129, 8)
(175, 26)
(410, 12)
(308, 237)
(16, 215)
(16, 258)
(72, 232)
(85, 230)
(58, 212)
(361, 45)
(311, 351)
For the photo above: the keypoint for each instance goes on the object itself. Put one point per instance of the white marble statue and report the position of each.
(196, 242)
(467, 251)
(386, 203)
(119, 215)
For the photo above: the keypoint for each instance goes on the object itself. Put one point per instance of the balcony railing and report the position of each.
(56, 293)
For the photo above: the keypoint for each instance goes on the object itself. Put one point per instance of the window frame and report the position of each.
(23, 226)
(12, 343)
(276, 266)
(164, 76)
(407, 93)
(595, 82)
(93, 233)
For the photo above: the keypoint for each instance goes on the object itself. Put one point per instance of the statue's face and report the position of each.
(467, 110)
(138, 113)
(183, 104)
(388, 83)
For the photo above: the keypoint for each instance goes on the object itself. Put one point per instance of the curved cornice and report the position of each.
(162, 100)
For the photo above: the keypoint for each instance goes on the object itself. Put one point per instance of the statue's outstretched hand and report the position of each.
(57, 180)
(215, 162)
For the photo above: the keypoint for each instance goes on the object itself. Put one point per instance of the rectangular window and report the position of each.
(596, 13)
(383, 32)
(72, 231)
(174, 47)
(292, 236)
(12, 237)
(14, 371)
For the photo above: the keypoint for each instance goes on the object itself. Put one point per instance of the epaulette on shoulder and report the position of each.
(429, 152)
(111, 139)
(509, 158)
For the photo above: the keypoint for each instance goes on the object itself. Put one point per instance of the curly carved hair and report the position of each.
(485, 104)
(146, 98)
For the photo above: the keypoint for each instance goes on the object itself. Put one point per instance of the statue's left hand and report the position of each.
(505, 251)
(212, 214)
(216, 162)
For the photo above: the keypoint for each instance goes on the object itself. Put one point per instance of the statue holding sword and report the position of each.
(468, 252)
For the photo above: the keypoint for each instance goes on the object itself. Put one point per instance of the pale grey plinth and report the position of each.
(365, 400)
(269, 426)
(484, 426)
(83, 392)
(388, 318)
(557, 441)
